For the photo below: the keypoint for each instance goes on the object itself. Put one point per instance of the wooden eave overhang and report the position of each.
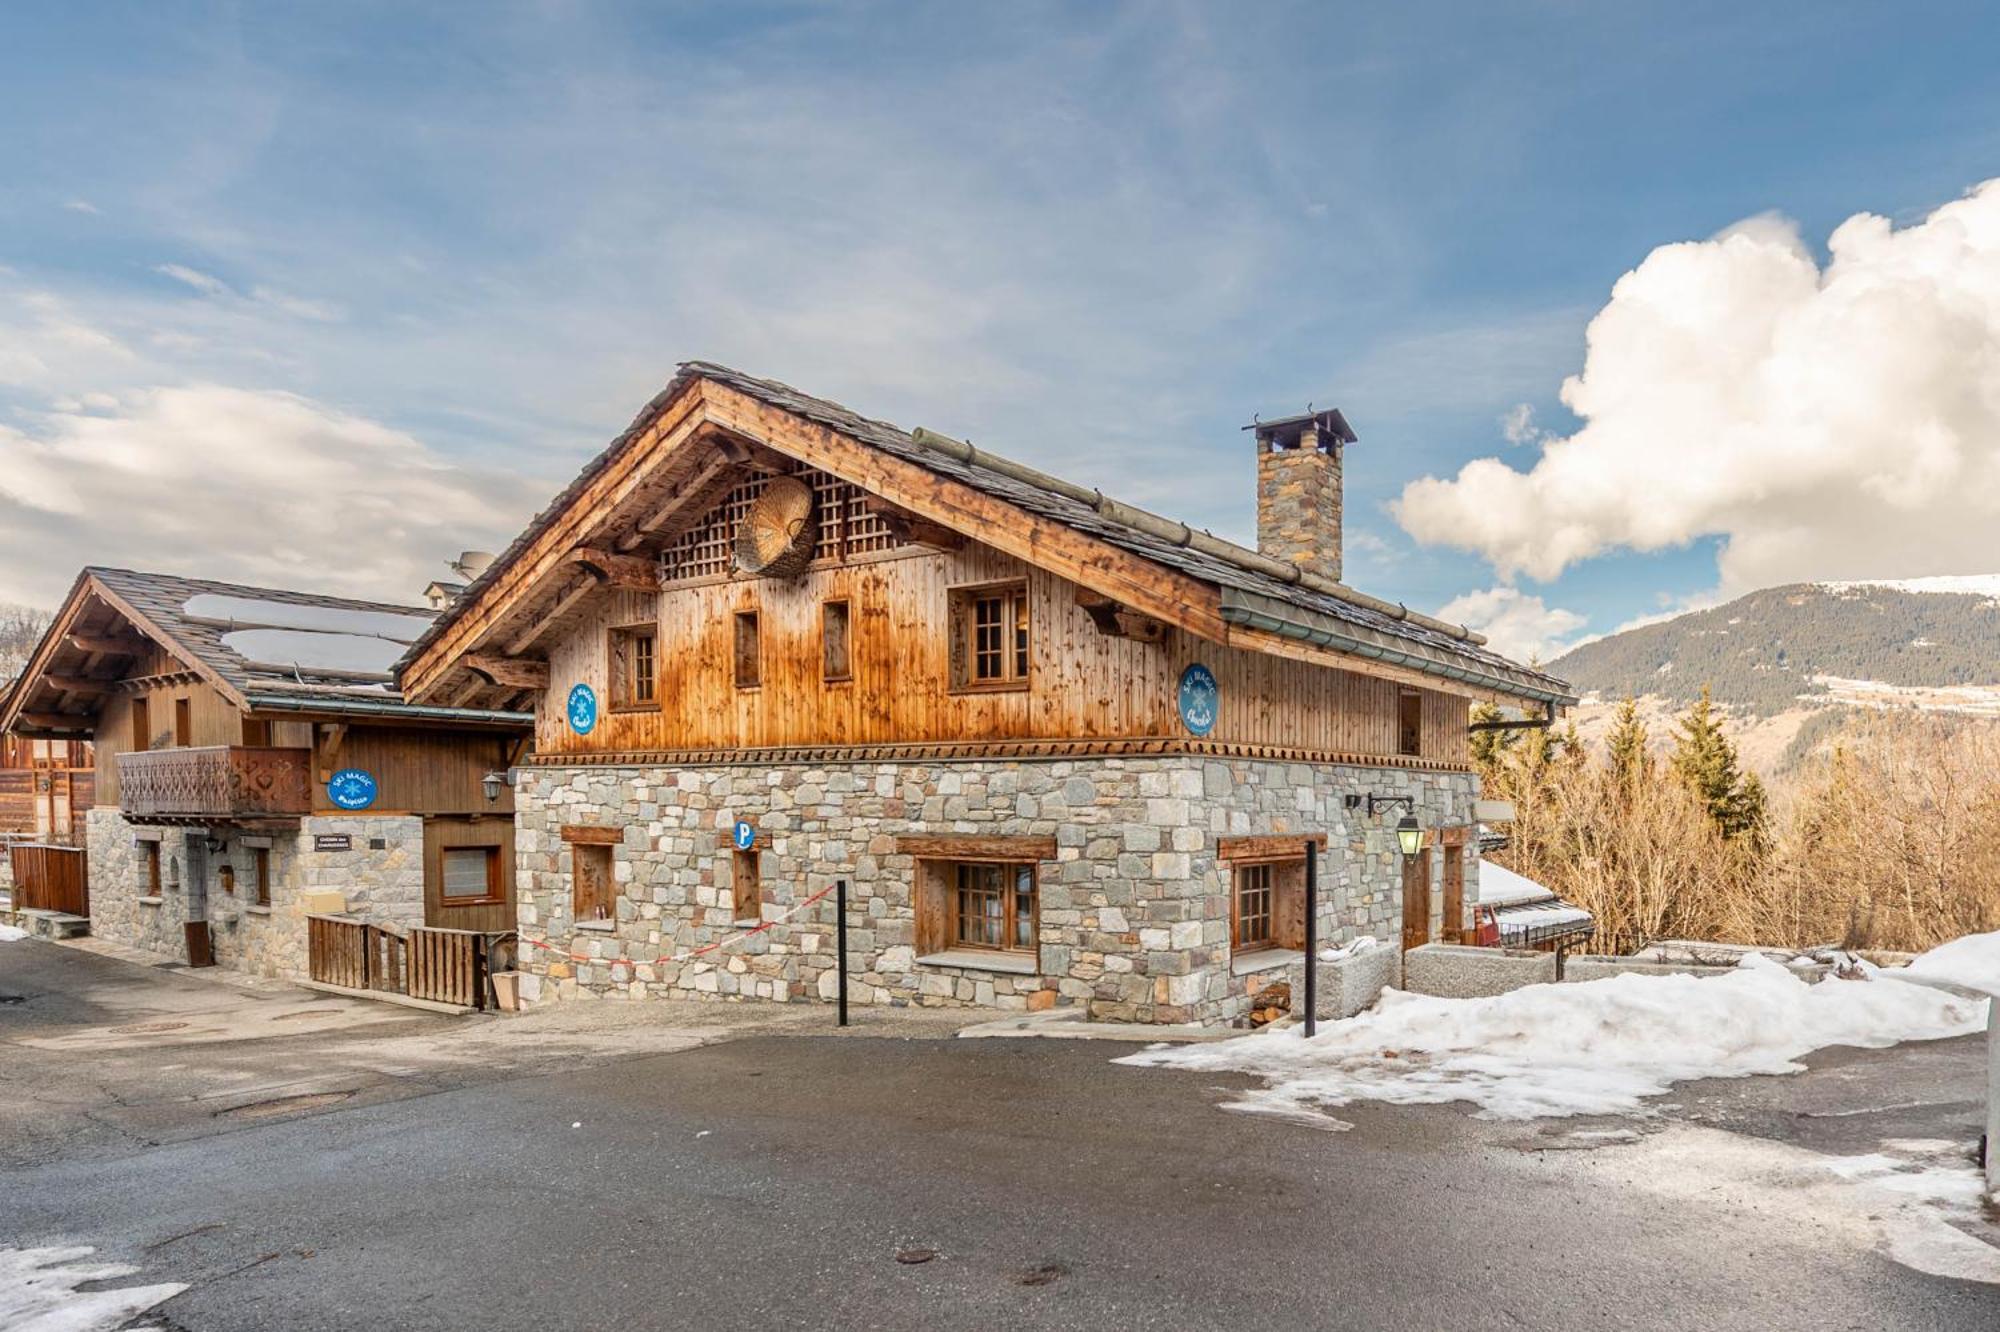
(74, 650)
(697, 436)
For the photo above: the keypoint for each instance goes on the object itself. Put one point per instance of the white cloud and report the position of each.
(1835, 423)
(240, 484)
(205, 283)
(1518, 424)
(1515, 624)
(83, 206)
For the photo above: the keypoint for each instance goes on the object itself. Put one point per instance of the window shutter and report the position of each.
(932, 912)
(961, 632)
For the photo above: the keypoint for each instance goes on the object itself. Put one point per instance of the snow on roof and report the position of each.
(1539, 921)
(255, 612)
(1976, 585)
(1500, 886)
(310, 651)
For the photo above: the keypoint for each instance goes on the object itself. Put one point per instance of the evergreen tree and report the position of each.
(1705, 759)
(1489, 747)
(1626, 747)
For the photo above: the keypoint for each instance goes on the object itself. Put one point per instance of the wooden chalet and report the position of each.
(255, 765)
(1064, 750)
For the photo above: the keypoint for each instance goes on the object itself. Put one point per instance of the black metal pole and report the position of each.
(840, 941)
(1312, 936)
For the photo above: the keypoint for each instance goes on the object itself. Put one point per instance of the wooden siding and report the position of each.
(417, 771)
(1083, 684)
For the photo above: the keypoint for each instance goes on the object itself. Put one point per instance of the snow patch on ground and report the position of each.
(8, 934)
(1930, 1192)
(38, 1292)
(1592, 1048)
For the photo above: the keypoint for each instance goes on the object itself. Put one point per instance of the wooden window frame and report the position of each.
(261, 864)
(593, 850)
(256, 733)
(1011, 873)
(183, 722)
(749, 649)
(832, 671)
(619, 641)
(746, 872)
(151, 856)
(1016, 657)
(1253, 883)
(1277, 869)
(1409, 722)
(142, 722)
(496, 891)
(225, 878)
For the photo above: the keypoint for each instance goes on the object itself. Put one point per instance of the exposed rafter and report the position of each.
(627, 573)
(520, 672)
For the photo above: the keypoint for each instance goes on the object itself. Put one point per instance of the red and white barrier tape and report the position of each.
(687, 956)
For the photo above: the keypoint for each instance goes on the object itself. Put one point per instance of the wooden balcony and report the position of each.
(220, 783)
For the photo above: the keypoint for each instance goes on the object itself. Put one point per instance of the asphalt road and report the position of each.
(775, 1179)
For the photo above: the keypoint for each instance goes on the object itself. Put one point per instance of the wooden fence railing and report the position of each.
(354, 954)
(49, 878)
(448, 966)
(444, 966)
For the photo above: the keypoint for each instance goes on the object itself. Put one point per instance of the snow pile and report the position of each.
(39, 1289)
(1973, 962)
(9, 933)
(1591, 1048)
(1343, 951)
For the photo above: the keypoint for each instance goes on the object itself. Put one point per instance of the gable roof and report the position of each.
(266, 649)
(1252, 590)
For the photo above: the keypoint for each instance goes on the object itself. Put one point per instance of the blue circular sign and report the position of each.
(746, 835)
(351, 788)
(582, 709)
(1200, 699)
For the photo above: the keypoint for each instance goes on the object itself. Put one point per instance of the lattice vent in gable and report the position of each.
(846, 528)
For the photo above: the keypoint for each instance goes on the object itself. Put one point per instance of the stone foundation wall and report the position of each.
(382, 884)
(1133, 912)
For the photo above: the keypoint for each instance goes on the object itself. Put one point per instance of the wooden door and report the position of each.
(469, 872)
(1454, 893)
(1417, 899)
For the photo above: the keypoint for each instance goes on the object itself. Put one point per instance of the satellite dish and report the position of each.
(777, 536)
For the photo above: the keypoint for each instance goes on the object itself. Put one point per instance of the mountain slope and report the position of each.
(1931, 642)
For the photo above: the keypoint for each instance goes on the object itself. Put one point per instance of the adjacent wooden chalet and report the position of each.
(46, 787)
(1064, 750)
(256, 764)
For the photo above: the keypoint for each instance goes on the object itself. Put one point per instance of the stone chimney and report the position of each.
(1298, 490)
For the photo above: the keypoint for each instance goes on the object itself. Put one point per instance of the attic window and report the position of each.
(1409, 723)
(990, 637)
(635, 666)
(833, 641)
(749, 651)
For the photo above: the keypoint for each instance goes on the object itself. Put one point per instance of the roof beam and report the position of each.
(566, 603)
(74, 722)
(627, 573)
(105, 645)
(520, 672)
(72, 684)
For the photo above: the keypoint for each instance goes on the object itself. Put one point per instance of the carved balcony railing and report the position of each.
(216, 782)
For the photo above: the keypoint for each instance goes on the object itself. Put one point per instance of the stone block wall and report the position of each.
(382, 884)
(1133, 912)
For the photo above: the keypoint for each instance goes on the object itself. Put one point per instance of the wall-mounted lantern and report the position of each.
(493, 783)
(1409, 835)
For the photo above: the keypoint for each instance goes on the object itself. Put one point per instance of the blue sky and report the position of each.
(348, 288)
